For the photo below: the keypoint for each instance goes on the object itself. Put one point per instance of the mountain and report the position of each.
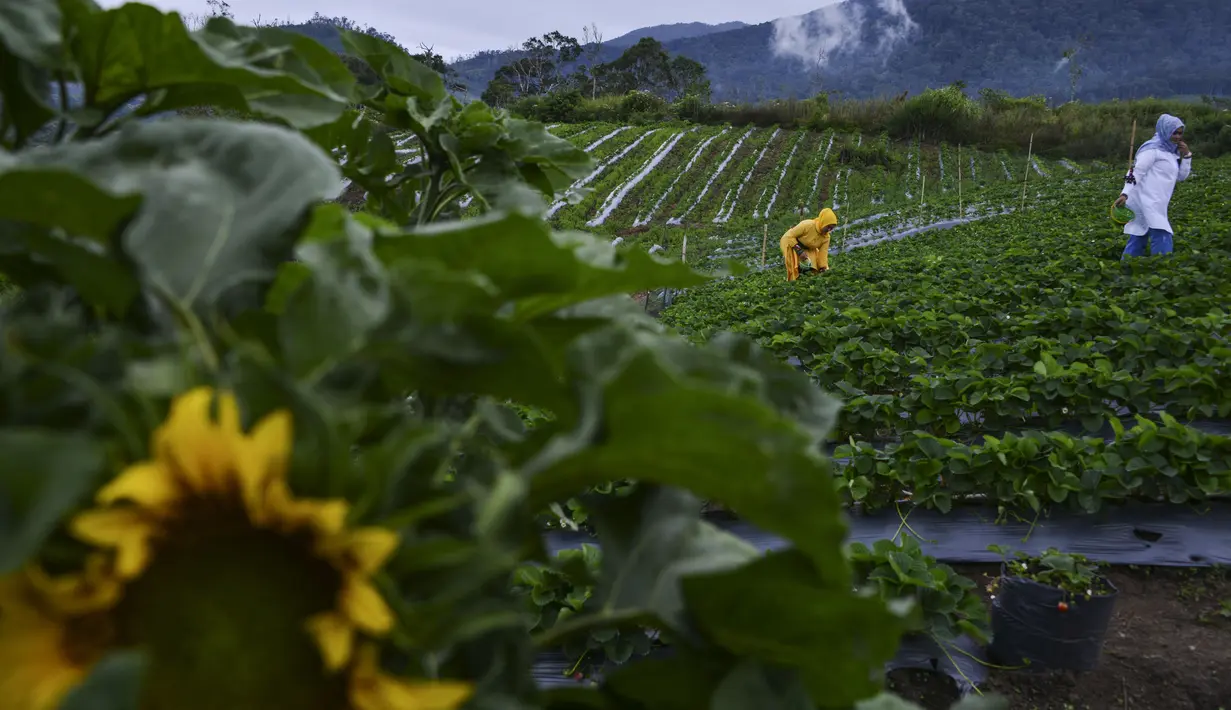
(1132, 48)
(667, 33)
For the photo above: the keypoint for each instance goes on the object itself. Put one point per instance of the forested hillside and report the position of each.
(1119, 49)
(679, 30)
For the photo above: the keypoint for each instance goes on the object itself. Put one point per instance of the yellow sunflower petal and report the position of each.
(373, 690)
(35, 674)
(364, 606)
(204, 451)
(335, 637)
(361, 551)
(91, 590)
(267, 451)
(148, 484)
(388, 693)
(325, 518)
(127, 530)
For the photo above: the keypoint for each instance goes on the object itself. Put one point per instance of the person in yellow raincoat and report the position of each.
(812, 235)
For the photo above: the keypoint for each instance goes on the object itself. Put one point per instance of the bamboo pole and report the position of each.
(1026, 179)
(1132, 143)
(684, 250)
(923, 189)
(764, 242)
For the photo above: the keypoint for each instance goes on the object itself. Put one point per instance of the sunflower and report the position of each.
(242, 595)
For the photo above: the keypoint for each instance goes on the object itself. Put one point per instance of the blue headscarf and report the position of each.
(1167, 124)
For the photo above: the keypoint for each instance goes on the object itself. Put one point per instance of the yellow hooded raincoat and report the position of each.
(813, 236)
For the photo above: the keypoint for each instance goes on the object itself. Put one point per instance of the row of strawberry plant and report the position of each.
(970, 404)
(613, 172)
(1034, 470)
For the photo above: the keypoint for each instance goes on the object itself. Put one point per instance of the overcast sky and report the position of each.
(456, 28)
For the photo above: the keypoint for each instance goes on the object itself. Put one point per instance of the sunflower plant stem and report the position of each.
(196, 329)
(465, 433)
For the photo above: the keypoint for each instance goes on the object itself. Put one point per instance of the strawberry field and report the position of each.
(732, 180)
(1015, 358)
(1015, 365)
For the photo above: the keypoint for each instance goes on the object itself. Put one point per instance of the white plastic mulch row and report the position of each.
(559, 204)
(640, 221)
(816, 179)
(714, 176)
(606, 138)
(721, 217)
(617, 195)
(785, 166)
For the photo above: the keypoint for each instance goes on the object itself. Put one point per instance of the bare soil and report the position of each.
(1168, 648)
(353, 197)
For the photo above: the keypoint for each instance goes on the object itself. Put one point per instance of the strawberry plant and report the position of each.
(558, 592)
(1071, 573)
(947, 604)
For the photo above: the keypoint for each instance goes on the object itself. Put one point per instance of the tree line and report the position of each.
(555, 64)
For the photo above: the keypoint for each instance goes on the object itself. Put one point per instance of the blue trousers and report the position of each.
(1158, 241)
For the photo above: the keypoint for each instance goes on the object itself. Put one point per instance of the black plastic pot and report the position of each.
(1029, 629)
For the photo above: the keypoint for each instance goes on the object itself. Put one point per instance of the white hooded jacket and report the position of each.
(1157, 172)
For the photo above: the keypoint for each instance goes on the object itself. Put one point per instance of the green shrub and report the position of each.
(937, 114)
(642, 103)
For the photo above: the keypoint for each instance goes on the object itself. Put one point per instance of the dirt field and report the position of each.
(1168, 648)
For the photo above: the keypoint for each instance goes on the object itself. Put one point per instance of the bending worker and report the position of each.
(812, 236)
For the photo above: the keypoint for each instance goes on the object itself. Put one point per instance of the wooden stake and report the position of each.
(1025, 180)
(1132, 143)
(764, 241)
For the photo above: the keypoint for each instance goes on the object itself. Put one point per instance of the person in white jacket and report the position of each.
(1161, 162)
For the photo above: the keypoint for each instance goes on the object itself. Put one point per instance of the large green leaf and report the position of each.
(686, 681)
(405, 76)
(224, 202)
(525, 150)
(30, 30)
(100, 279)
(540, 269)
(780, 610)
(29, 49)
(135, 50)
(651, 540)
(55, 196)
(345, 297)
(664, 411)
(753, 686)
(45, 475)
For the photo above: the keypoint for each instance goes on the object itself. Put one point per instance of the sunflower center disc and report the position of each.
(222, 616)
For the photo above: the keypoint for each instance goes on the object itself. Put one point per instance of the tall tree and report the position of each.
(593, 50)
(434, 61)
(688, 78)
(541, 69)
(645, 66)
